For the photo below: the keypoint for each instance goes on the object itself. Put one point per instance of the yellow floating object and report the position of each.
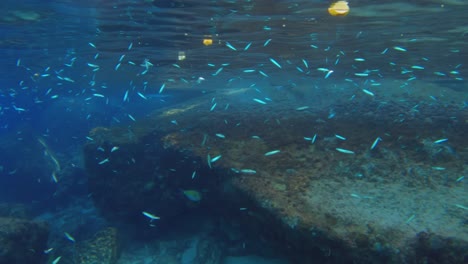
(181, 55)
(207, 42)
(340, 8)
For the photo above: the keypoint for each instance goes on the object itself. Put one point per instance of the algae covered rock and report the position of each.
(311, 181)
(22, 241)
(102, 249)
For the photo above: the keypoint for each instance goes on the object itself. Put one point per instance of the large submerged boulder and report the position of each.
(22, 241)
(366, 181)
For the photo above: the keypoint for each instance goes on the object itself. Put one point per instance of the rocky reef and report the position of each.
(22, 241)
(361, 181)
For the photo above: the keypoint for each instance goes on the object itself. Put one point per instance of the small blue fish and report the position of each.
(275, 63)
(229, 45)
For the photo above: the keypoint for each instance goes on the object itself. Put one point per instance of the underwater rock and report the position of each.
(190, 254)
(103, 248)
(311, 181)
(209, 251)
(15, 210)
(22, 241)
(433, 249)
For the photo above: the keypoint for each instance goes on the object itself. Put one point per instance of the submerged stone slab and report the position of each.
(312, 178)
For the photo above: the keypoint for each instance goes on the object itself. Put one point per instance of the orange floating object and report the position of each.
(340, 8)
(207, 42)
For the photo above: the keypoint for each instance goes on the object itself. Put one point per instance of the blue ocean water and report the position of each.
(69, 67)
